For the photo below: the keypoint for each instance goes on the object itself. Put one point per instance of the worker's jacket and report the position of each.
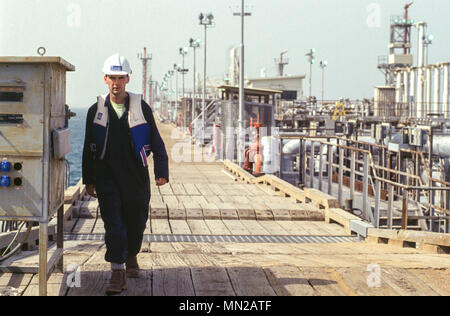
(135, 133)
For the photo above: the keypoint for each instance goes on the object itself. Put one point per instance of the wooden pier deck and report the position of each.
(210, 235)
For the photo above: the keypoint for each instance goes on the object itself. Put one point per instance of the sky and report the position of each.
(349, 34)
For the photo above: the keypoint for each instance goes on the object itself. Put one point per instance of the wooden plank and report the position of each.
(178, 189)
(226, 198)
(306, 211)
(203, 189)
(199, 199)
(15, 284)
(172, 282)
(245, 211)
(93, 282)
(309, 228)
(294, 228)
(241, 199)
(160, 226)
(193, 210)
(211, 281)
(329, 229)
(227, 210)
(281, 215)
(158, 210)
(176, 211)
(179, 227)
(340, 216)
(217, 227)
(321, 281)
(244, 189)
(320, 198)
(88, 209)
(99, 227)
(141, 286)
(236, 227)
(71, 194)
(273, 228)
(170, 199)
(250, 281)
(212, 199)
(216, 189)
(156, 199)
(165, 190)
(198, 227)
(185, 198)
(289, 281)
(255, 190)
(356, 279)
(425, 237)
(254, 227)
(264, 215)
(312, 228)
(84, 226)
(210, 211)
(191, 189)
(406, 283)
(266, 189)
(438, 280)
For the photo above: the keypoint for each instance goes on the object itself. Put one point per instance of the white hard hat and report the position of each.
(116, 65)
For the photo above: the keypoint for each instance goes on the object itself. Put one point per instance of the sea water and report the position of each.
(77, 126)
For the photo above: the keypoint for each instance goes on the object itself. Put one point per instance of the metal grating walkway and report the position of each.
(224, 238)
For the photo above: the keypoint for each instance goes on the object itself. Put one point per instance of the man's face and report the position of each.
(116, 84)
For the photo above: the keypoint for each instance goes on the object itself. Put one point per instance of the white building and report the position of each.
(292, 86)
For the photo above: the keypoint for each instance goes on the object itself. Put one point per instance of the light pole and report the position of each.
(427, 40)
(323, 65)
(206, 21)
(171, 73)
(241, 146)
(194, 44)
(183, 52)
(176, 69)
(312, 61)
(163, 88)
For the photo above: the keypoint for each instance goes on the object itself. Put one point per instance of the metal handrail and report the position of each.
(375, 168)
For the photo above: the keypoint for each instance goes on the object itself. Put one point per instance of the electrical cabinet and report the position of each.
(34, 136)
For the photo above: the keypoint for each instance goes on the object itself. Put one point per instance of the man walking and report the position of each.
(120, 134)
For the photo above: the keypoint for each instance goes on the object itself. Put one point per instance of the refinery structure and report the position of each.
(258, 165)
(386, 156)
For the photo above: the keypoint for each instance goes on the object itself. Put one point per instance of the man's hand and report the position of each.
(160, 181)
(90, 188)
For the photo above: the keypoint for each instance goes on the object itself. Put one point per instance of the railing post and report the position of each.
(390, 205)
(352, 175)
(304, 161)
(341, 177)
(377, 202)
(330, 169)
(299, 165)
(311, 164)
(366, 187)
(405, 210)
(320, 166)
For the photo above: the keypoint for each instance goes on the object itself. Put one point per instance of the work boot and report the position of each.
(117, 283)
(132, 267)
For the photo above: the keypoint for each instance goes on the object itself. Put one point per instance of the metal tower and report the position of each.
(144, 58)
(399, 47)
(282, 62)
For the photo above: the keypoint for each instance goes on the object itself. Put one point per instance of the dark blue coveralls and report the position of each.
(122, 182)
